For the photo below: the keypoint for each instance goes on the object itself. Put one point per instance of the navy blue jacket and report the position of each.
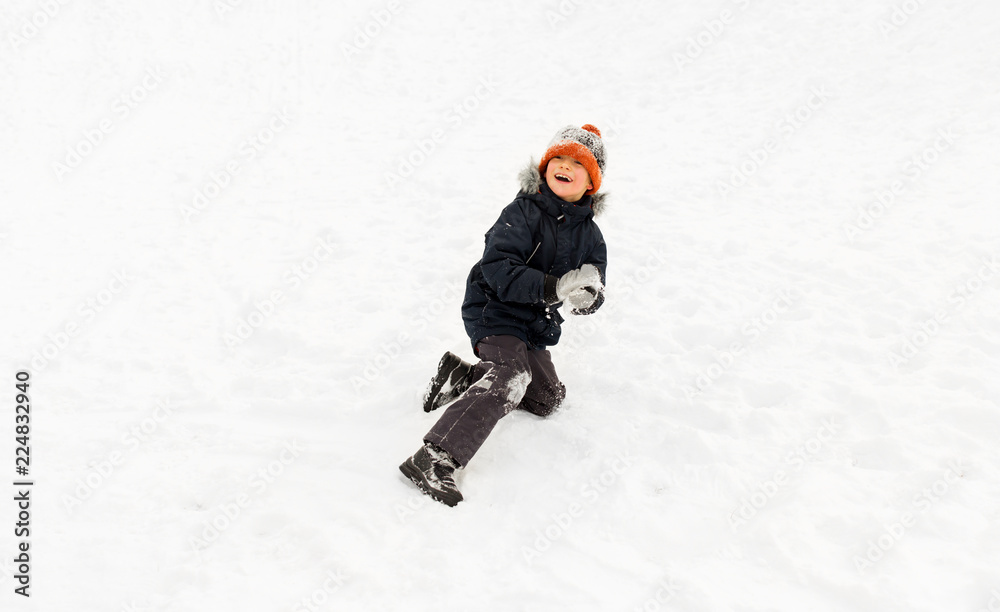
(538, 234)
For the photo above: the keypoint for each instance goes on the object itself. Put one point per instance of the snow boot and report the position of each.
(432, 469)
(453, 377)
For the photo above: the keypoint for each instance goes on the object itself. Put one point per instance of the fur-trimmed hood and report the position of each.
(531, 181)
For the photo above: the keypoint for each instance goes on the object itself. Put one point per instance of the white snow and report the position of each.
(234, 239)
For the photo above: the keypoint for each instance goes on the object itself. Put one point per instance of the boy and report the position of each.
(544, 251)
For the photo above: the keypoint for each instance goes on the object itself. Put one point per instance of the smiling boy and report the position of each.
(544, 251)
(567, 178)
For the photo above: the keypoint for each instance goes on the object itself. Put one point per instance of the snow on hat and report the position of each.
(583, 144)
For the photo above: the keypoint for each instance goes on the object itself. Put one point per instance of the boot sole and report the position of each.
(410, 470)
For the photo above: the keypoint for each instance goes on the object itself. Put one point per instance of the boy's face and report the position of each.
(567, 178)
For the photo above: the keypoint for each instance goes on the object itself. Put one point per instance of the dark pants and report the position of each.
(508, 376)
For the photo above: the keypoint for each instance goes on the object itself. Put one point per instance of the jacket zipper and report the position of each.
(533, 253)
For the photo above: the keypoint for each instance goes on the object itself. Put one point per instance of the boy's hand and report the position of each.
(560, 290)
(585, 301)
(582, 299)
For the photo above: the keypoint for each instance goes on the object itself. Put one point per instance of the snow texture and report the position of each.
(516, 388)
(234, 239)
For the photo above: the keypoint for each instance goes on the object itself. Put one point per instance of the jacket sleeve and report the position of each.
(505, 260)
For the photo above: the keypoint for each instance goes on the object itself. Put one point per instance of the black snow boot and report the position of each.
(432, 469)
(452, 379)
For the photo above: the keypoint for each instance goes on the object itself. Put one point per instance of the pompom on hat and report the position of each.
(583, 144)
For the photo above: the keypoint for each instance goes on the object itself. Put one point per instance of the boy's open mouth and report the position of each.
(563, 178)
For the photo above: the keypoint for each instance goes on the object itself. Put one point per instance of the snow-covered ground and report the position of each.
(234, 239)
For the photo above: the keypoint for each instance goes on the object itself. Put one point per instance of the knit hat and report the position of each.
(583, 144)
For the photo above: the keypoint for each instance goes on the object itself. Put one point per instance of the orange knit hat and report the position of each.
(583, 144)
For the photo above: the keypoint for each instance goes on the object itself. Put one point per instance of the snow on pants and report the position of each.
(508, 376)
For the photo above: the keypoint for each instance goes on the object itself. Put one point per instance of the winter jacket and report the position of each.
(537, 237)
